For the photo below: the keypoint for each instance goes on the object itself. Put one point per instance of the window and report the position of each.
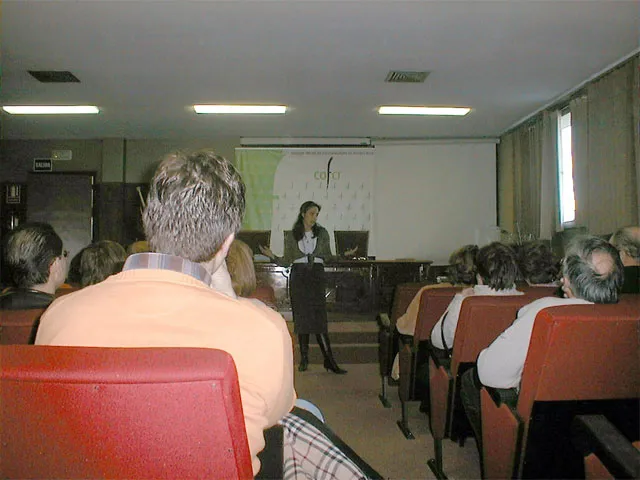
(565, 170)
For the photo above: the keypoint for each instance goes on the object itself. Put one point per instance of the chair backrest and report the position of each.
(482, 318)
(402, 297)
(582, 352)
(79, 412)
(433, 304)
(17, 327)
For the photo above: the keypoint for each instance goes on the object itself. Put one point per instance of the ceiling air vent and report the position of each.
(399, 76)
(52, 76)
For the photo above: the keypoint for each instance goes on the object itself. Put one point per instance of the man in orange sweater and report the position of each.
(181, 296)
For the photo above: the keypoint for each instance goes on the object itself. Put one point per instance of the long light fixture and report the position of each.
(50, 109)
(399, 110)
(241, 109)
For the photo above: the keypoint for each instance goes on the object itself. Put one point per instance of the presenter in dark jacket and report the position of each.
(306, 250)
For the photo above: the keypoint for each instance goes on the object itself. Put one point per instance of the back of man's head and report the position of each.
(30, 250)
(195, 202)
(537, 263)
(497, 266)
(627, 241)
(594, 269)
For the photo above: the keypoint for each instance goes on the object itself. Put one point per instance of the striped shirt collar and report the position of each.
(163, 261)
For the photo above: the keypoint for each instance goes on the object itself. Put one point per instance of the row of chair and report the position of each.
(495, 314)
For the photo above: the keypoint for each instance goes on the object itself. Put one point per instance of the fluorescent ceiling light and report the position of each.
(49, 109)
(240, 108)
(397, 110)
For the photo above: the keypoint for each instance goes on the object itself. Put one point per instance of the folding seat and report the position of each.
(80, 412)
(18, 327)
(582, 359)
(414, 351)
(481, 320)
(607, 452)
(402, 297)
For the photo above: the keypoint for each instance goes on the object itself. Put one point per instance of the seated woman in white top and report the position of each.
(497, 273)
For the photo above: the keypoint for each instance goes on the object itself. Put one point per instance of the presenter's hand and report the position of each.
(348, 253)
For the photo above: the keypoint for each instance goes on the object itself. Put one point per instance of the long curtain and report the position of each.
(506, 186)
(549, 216)
(636, 128)
(605, 160)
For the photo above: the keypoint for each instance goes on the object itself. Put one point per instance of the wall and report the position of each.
(431, 198)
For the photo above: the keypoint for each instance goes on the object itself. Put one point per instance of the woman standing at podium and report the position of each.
(306, 250)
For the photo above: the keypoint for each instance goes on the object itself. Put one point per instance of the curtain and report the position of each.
(580, 152)
(549, 217)
(636, 128)
(605, 175)
(506, 187)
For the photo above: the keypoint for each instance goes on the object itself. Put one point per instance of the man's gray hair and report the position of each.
(626, 241)
(195, 202)
(29, 251)
(586, 282)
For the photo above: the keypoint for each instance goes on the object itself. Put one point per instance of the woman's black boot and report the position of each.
(304, 352)
(329, 362)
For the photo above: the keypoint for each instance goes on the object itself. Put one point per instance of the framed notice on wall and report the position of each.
(13, 194)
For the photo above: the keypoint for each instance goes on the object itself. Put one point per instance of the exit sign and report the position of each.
(42, 165)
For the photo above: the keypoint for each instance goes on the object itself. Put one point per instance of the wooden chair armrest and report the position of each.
(594, 434)
(384, 322)
(501, 436)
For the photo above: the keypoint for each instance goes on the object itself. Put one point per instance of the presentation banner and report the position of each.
(340, 180)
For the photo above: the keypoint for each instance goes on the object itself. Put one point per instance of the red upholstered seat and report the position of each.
(481, 320)
(581, 359)
(433, 304)
(74, 412)
(18, 326)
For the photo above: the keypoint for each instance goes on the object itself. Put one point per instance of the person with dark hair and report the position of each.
(537, 265)
(462, 273)
(627, 241)
(37, 266)
(497, 273)
(100, 260)
(306, 250)
(592, 273)
(180, 294)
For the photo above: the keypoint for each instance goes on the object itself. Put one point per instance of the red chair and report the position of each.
(18, 327)
(582, 359)
(414, 355)
(162, 413)
(481, 320)
(402, 297)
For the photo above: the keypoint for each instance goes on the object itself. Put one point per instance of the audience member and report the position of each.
(462, 273)
(592, 273)
(627, 241)
(537, 265)
(101, 260)
(37, 266)
(141, 246)
(241, 269)
(195, 207)
(497, 273)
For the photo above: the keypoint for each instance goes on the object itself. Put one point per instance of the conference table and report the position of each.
(358, 285)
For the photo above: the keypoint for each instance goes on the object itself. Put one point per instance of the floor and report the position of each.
(352, 409)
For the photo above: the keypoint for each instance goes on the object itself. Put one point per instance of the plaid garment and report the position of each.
(309, 454)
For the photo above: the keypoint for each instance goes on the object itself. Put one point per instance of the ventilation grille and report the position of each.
(399, 76)
(51, 76)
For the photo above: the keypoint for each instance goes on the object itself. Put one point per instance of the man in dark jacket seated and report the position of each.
(627, 241)
(36, 265)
